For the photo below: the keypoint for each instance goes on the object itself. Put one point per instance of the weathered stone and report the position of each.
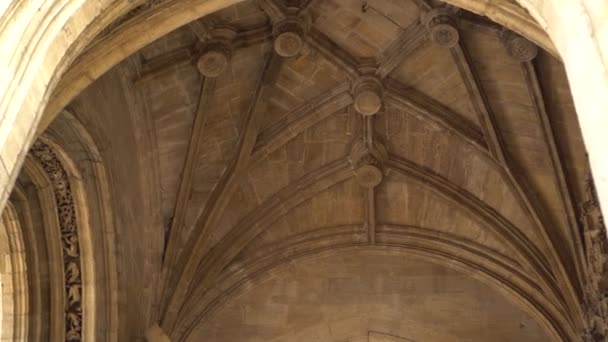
(441, 28)
(204, 187)
(368, 175)
(289, 36)
(213, 62)
(518, 47)
(368, 93)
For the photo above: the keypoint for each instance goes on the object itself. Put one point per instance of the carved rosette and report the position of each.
(367, 160)
(72, 267)
(216, 54)
(368, 93)
(290, 34)
(442, 28)
(596, 252)
(518, 47)
(214, 59)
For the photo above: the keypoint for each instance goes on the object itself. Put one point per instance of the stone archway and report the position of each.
(57, 246)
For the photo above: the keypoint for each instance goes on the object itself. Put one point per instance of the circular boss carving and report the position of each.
(441, 28)
(519, 47)
(368, 96)
(288, 44)
(214, 59)
(368, 175)
(289, 36)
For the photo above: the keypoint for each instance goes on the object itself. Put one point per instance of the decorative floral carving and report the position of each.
(442, 28)
(47, 158)
(596, 252)
(518, 47)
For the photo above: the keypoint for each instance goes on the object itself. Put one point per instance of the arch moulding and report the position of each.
(483, 268)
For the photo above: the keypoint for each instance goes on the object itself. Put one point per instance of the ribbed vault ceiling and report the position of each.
(407, 173)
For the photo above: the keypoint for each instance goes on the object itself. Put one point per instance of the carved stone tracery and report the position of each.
(66, 211)
(596, 252)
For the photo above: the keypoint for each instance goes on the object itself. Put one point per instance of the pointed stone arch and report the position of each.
(69, 253)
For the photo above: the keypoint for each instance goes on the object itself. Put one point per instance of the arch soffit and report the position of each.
(91, 245)
(32, 258)
(484, 268)
(80, 197)
(50, 218)
(106, 246)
